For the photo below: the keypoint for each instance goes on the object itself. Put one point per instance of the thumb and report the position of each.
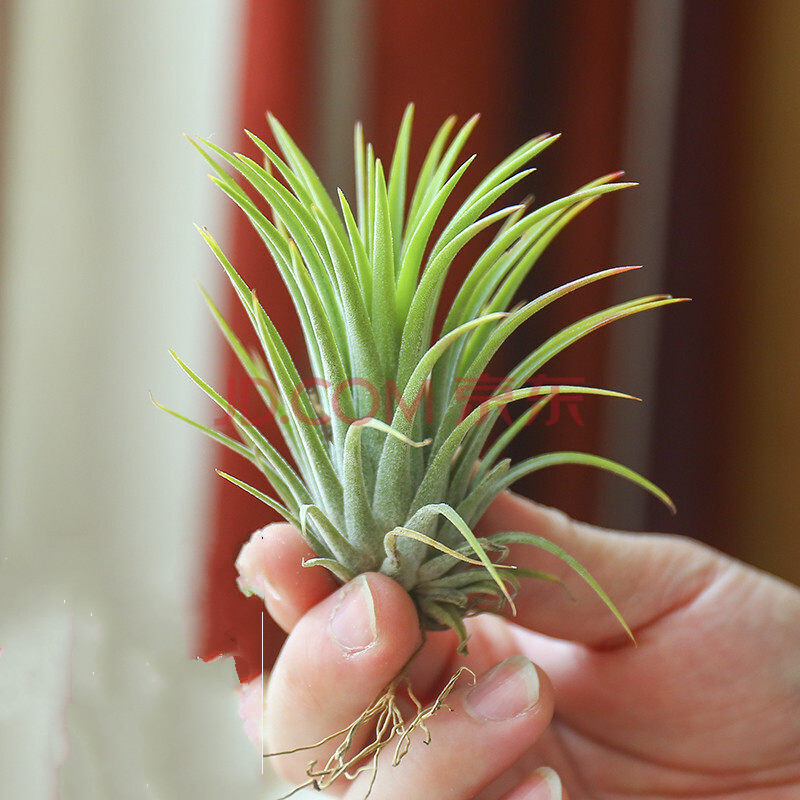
(645, 575)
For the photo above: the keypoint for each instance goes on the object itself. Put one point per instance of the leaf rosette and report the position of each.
(391, 461)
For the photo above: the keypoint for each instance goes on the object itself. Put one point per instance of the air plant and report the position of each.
(391, 464)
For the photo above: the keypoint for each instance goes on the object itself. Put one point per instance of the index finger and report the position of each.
(270, 565)
(645, 575)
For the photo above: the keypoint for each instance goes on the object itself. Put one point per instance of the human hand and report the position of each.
(707, 705)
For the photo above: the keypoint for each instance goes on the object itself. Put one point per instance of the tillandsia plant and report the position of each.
(393, 465)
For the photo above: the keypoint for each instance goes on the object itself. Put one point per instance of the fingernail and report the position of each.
(508, 690)
(251, 565)
(546, 785)
(257, 585)
(353, 624)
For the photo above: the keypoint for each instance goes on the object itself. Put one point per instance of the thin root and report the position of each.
(390, 728)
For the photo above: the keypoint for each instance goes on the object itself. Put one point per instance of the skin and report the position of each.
(707, 705)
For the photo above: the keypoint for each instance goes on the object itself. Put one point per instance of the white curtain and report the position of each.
(103, 497)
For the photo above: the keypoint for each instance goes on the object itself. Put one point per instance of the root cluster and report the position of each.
(391, 729)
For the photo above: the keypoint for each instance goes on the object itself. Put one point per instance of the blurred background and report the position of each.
(112, 511)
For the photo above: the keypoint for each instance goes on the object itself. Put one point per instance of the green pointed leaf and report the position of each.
(537, 463)
(357, 248)
(531, 365)
(501, 178)
(359, 522)
(468, 214)
(326, 532)
(482, 492)
(419, 322)
(369, 226)
(303, 169)
(538, 575)
(280, 363)
(458, 579)
(298, 220)
(384, 301)
(335, 376)
(264, 498)
(428, 168)
(444, 165)
(320, 473)
(509, 434)
(435, 480)
(448, 617)
(572, 333)
(390, 545)
(398, 174)
(417, 241)
(392, 486)
(544, 216)
(279, 473)
(364, 360)
(231, 444)
(271, 157)
(447, 406)
(423, 516)
(521, 537)
(334, 567)
(441, 567)
(256, 370)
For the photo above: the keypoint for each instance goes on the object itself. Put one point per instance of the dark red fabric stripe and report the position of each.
(275, 76)
(582, 75)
